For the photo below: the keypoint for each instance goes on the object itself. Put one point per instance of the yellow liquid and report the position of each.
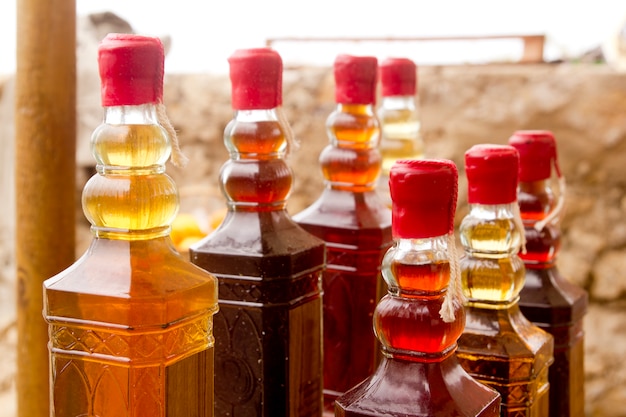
(131, 321)
(499, 346)
(401, 137)
(492, 273)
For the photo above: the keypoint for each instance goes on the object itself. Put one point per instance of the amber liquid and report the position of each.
(268, 332)
(552, 303)
(419, 374)
(355, 224)
(130, 322)
(499, 346)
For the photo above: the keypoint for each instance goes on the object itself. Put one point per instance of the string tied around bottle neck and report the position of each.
(555, 214)
(454, 293)
(292, 143)
(177, 157)
(519, 224)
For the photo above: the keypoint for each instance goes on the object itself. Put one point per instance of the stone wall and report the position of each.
(584, 105)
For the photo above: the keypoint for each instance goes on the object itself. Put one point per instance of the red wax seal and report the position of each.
(492, 173)
(398, 77)
(355, 79)
(537, 153)
(131, 70)
(256, 77)
(424, 196)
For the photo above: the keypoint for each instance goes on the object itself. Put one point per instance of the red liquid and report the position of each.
(421, 278)
(268, 330)
(409, 323)
(353, 221)
(351, 284)
(419, 375)
(356, 225)
(552, 303)
(421, 389)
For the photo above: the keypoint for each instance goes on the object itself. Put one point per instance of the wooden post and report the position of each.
(45, 175)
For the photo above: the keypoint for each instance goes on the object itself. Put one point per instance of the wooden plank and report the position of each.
(45, 147)
(533, 43)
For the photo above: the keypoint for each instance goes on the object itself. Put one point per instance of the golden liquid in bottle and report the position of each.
(401, 137)
(131, 321)
(499, 346)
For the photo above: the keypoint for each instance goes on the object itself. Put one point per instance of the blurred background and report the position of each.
(577, 90)
(204, 34)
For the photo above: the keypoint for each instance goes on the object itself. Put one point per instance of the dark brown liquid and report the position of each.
(268, 350)
(552, 303)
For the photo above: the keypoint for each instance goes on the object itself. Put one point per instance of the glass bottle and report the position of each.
(399, 117)
(547, 299)
(130, 322)
(354, 222)
(499, 346)
(268, 359)
(420, 319)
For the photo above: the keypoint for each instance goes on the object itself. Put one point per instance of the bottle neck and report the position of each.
(537, 201)
(130, 197)
(492, 272)
(490, 230)
(398, 103)
(352, 161)
(416, 252)
(257, 177)
(142, 114)
(407, 321)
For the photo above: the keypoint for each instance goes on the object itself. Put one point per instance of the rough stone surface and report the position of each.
(584, 105)
(609, 283)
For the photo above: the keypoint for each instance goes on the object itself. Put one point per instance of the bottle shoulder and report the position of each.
(549, 298)
(116, 279)
(111, 263)
(250, 231)
(509, 336)
(439, 385)
(347, 209)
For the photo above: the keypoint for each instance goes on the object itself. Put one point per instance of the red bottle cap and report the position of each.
(256, 76)
(424, 195)
(398, 77)
(355, 79)
(492, 172)
(537, 153)
(131, 70)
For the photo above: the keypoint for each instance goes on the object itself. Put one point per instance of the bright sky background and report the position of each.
(205, 32)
